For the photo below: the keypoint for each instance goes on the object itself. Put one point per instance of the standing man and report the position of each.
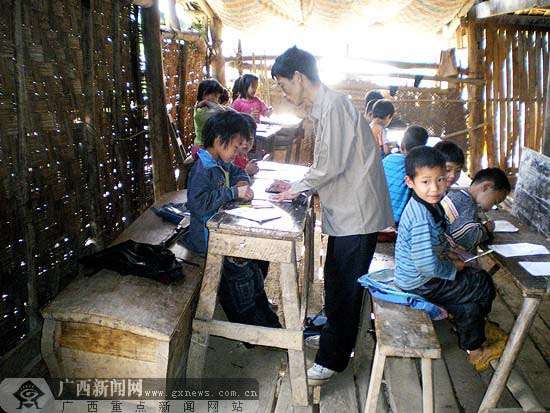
(348, 176)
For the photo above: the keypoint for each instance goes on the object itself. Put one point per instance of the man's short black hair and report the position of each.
(451, 151)
(295, 60)
(372, 96)
(414, 136)
(382, 108)
(423, 157)
(494, 175)
(245, 82)
(208, 86)
(225, 125)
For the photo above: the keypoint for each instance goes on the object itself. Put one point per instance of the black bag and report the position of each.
(136, 258)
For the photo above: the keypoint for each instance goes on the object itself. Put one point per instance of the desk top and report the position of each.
(529, 284)
(289, 226)
(136, 304)
(266, 131)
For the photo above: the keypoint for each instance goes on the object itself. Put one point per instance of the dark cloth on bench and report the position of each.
(242, 294)
(347, 259)
(468, 298)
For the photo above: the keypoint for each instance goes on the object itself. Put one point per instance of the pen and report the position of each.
(477, 256)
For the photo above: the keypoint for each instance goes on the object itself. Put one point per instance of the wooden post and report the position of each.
(22, 171)
(546, 136)
(163, 176)
(173, 21)
(218, 62)
(475, 96)
(89, 152)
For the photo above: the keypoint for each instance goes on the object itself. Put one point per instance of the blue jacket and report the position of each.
(394, 169)
(211, 184)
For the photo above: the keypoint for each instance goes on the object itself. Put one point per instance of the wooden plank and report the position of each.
(209, 288)
(266, 249)
(475, 95)
(546, 138)
(338, 395)
(492, 8)
(265, 336)
(427, 386)
(523, 85)
(489, 104)
(404, 332)
(21, 357)
(516, 69)
(375, 381)
(539, 104)
(163, 176)
(405, 392)
(508, 161)
(444, 397)
(501, 42)
(532, 117)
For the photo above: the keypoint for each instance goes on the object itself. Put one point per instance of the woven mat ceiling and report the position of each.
(428, 15)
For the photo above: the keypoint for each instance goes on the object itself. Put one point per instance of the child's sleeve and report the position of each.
(468, 232)
(426, 260)
(263, 108)
(237, 174)
(203, 200)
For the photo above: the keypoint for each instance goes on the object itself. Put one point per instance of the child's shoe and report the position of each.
(494, 333)
(482, 360)
(318, 375)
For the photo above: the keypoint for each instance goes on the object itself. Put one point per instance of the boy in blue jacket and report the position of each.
(213, 182)
(426, 266)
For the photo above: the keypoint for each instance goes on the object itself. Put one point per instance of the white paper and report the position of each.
(539, 269)
(519, 249)
(259, 215)
(501, 225)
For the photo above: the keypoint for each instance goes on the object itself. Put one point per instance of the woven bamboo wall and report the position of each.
(45, 214)
(515, 70)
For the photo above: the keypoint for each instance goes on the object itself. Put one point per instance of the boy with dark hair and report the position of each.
(347, 174)
(426, 266)
(371, 98)
(213, 182)
(454, 160)
(488, 188)
(382, 114)
(394, 169)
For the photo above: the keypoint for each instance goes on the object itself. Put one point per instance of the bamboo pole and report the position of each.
(509, 102)
(546, 138)
(163, 176)
(217, 61)
(516, 68)
(489, 105)
(173, 21)
(502, 105)
(540, 89)
(532, 119)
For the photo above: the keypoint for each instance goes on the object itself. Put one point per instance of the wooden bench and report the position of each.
(109, 325)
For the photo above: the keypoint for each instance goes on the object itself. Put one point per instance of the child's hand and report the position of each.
(490, 225)
(278, 186)
(456, 260)
(255, 113)
(252, 167)
(284, 196)
(245, 193)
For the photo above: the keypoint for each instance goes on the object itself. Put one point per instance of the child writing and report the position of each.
(394, 169)
(382, 114)
(247, 101)
(454, 160)
(213, 182)
(488, 188)
(426, 266)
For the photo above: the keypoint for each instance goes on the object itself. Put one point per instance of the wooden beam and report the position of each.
(173, 21)
(163, 176)
(491, 8)
(473, 81)
(143, 3)
(546, 135)
(217, 60)
(186, 36)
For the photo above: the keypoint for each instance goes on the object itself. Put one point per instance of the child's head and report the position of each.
(454, 160)
(209, 89)
(235, 89)
(223, 134)
(371, 98)
(425, 173)
(248, 85)
(384, 110)
(414, 136)
(248, 140)
(224, 97)
(490, 187)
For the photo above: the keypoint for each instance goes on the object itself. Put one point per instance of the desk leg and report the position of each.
(205, 311)
(309, 264)
(291, 310)
(513, 346)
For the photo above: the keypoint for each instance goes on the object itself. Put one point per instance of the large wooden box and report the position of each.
(109, 325)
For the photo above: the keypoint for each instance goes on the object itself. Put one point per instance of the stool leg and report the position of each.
(291, 311)
(427, 385)
(205, 311)
(375, 382)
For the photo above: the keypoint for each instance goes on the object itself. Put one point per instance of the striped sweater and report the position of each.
(420, 250)
(465, 224)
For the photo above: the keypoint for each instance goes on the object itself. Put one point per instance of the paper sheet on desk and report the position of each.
(519, 249)
(501, 225)
(253, 214)
(538, 269)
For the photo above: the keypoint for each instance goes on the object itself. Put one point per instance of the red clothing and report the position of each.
(240, 161)
(248, 105)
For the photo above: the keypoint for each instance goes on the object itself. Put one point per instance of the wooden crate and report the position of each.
(109, 325)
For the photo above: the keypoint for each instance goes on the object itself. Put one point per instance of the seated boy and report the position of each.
(488, 188)
(213, 182)
(454, 160)
(394, 169)
(382, 114)
(426, 266)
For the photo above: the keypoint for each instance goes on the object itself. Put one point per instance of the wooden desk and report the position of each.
(109, 325)
(534, 290)
(278, 241)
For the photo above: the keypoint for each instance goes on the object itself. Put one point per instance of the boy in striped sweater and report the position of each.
(464, 208)
(425, 264)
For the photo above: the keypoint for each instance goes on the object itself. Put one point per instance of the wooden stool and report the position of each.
(227, 238)
(402, 332)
